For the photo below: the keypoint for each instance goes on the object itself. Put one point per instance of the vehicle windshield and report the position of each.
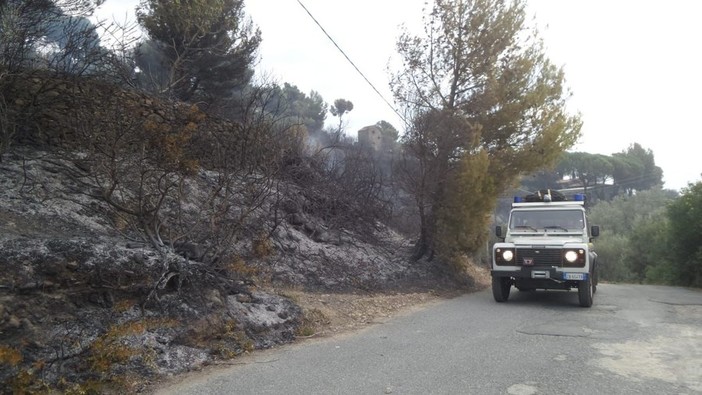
(563, 220)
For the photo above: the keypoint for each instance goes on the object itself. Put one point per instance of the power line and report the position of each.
(351, 62)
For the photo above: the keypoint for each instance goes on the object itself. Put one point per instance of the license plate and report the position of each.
(575, 276)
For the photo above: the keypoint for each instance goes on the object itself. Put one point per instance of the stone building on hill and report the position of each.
(371, 136)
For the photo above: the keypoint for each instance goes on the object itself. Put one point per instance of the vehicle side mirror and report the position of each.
(498, 231)
(594, 230)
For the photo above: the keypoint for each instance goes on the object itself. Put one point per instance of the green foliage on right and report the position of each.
(632, 234)
(612, 252)
(685, 215)
(652, 236)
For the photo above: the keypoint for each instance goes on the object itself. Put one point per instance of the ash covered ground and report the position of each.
(83, 299)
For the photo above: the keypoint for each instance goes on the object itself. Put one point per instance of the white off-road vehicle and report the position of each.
(547, 245)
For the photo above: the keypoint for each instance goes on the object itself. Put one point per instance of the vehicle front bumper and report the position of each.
(543, 273)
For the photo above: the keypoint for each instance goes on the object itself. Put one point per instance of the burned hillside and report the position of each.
(142, 236)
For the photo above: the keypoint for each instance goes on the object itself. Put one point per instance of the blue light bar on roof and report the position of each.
(518, 199)
(579, 197)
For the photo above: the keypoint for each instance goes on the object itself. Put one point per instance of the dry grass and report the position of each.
(327, 314)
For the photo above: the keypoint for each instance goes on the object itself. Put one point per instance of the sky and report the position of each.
(634, 67)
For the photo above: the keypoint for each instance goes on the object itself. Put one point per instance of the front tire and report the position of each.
(585, 291)
(500, 288)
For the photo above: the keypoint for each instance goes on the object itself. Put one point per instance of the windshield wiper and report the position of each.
(526, 227)
(556, 227)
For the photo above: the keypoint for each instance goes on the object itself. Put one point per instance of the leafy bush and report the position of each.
(649, 247)
(633, 235)
(685, 215)
(611, 250)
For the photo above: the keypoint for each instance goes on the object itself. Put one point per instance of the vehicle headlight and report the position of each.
(571, 256)
(507, 255)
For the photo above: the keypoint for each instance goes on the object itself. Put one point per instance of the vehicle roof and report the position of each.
(547, 206)
(574, 203)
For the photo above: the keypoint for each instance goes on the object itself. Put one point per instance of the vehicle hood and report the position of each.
(550, 240)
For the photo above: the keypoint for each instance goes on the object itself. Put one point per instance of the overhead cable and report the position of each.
(351, 62)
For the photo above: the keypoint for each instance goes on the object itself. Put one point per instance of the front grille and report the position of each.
(539, 256)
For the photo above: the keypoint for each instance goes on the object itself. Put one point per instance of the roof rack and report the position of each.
(548, 196)
(578, 203)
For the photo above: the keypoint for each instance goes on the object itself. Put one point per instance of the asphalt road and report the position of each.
(634, 340)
